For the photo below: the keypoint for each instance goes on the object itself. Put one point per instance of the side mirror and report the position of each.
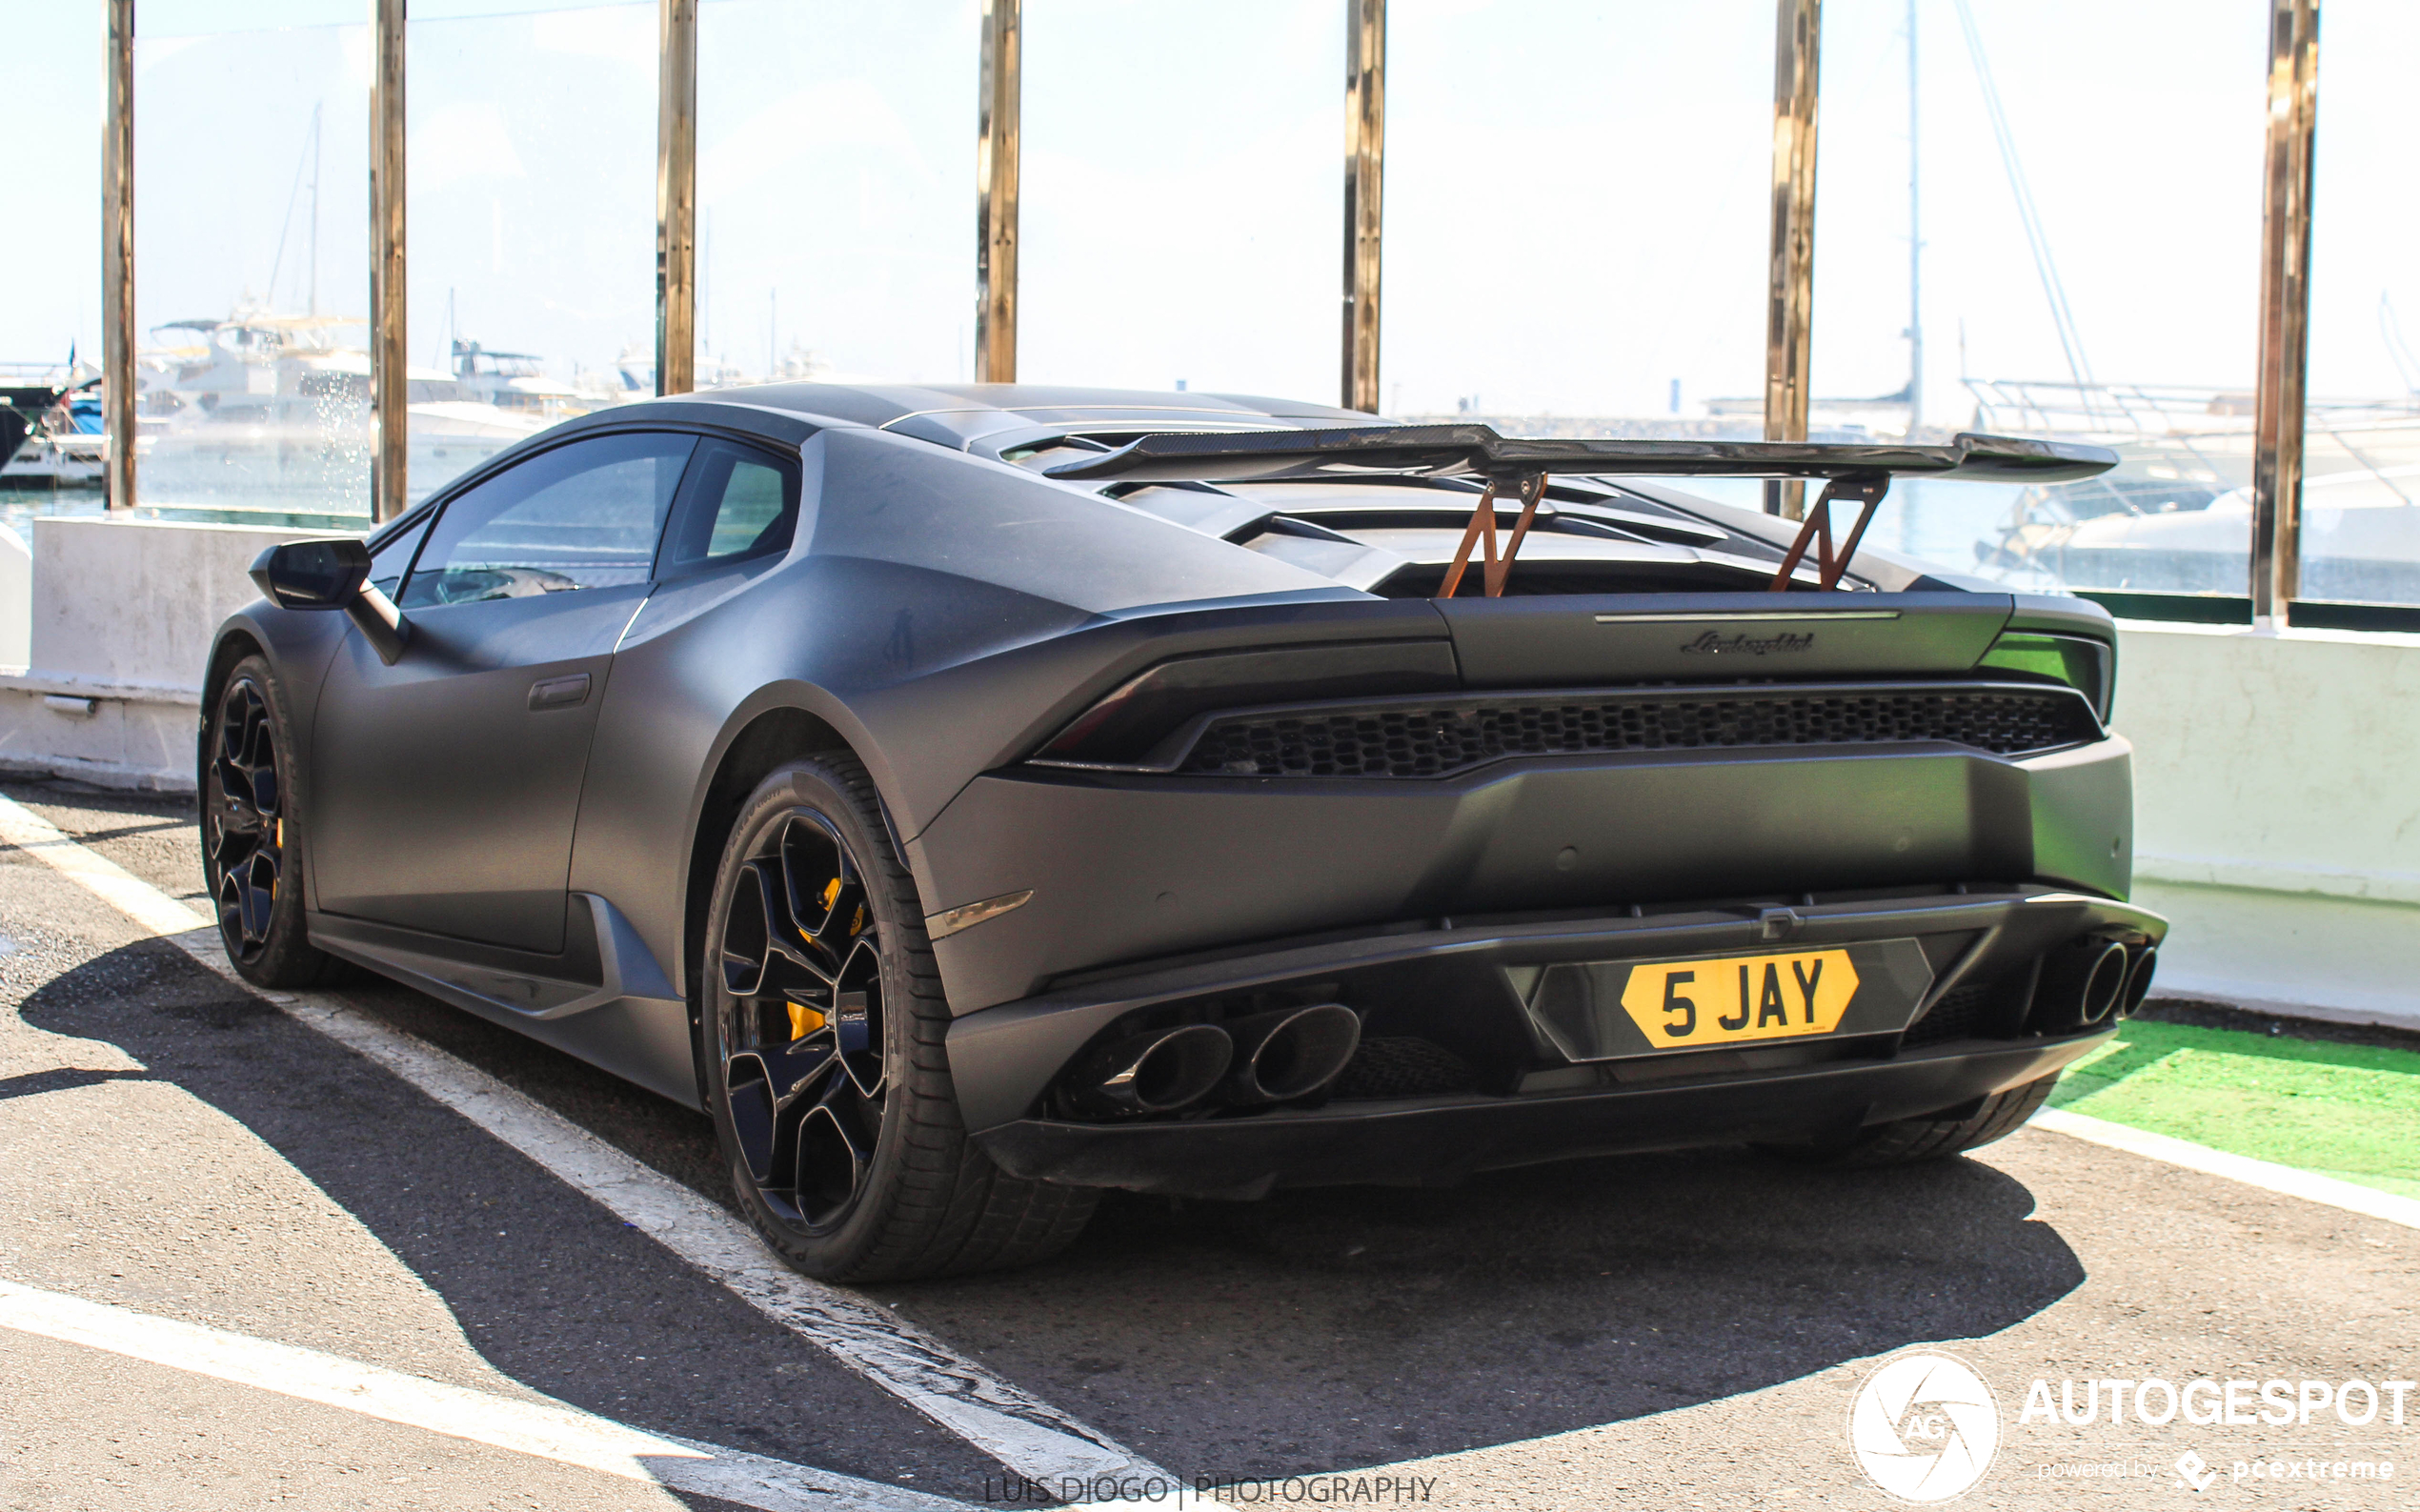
(312, 574)
(333, 574)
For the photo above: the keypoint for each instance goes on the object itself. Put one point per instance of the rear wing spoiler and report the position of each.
(1515, 465)
(1477, 451)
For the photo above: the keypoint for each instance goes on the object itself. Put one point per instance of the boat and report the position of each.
(2360, 540)
(267, 410)
(515, 381)
(50, 427)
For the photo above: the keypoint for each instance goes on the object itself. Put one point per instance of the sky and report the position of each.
(1575, 213)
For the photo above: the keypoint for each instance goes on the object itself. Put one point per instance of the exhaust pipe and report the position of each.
(1159, 1072)
(2138, 980)
(1291, 1053)
(2081, 986)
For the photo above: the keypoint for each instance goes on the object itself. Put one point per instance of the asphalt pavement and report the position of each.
(1657, 1330)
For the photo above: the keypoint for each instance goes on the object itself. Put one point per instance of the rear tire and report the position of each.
(1912, 1141)
(251, 835)
(823, 1029)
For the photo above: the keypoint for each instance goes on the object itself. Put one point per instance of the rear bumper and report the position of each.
(1463, 986)
(1127, 868)
(1440, 1141)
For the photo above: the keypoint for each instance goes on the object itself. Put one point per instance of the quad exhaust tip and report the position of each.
(1262, 1058)
(2082, 985)
(1158, 1072)
(2138, 980)
(1290, 1053)
(2105, 985)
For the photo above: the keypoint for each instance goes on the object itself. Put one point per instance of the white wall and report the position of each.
(118, 617)
(2277, 812)
(16, 600)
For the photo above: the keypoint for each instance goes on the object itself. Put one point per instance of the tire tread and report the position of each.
(1911, 1141)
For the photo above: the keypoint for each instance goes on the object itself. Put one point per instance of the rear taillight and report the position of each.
(2088, 666)
(1154, 707)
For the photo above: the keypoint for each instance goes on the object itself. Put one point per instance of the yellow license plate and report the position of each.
(1692, 1004)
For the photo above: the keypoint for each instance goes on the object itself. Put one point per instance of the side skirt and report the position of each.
(605, 999)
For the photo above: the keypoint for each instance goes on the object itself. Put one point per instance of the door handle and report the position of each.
(559, 693)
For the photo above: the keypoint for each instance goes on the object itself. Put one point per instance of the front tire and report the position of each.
(252, 839)
(822, 1024)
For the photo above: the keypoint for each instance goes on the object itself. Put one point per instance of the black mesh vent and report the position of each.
(1403, 1066)
(1419, 741)
(1972, 1011)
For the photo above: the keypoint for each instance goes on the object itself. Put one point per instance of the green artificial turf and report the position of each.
(2350, 1111)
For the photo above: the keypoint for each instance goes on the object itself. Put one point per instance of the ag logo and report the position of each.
(1924, 1427)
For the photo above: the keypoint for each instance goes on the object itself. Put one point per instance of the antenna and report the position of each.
(2070, 340)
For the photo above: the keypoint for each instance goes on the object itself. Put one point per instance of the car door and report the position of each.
(443, 789)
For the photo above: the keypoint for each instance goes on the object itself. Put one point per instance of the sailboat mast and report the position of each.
(1915, 248)
(316, 137)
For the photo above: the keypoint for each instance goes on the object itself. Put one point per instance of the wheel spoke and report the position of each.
(827, 898)
(798, 1068)
(857, 1015)
(746, 932)
(834, 1152)
(754, 1118)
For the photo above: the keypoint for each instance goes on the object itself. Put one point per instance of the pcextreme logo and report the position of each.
(1924, 1426)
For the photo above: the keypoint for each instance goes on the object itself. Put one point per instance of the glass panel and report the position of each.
(531, 219)
(1180, 209)
(2361, 482)
(742, 503)
(2148, 204)
(835, 190)
(582, 515)
(1577, 217)
(251, 259)
(51, 72)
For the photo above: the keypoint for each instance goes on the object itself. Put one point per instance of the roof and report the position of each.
(972, 408)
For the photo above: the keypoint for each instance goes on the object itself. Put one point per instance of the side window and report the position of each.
(387, 563)
(740, 503)
(583, 515)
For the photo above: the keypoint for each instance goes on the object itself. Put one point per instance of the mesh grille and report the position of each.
(1402, 1066)
(1415, 741)
(1969, 1012)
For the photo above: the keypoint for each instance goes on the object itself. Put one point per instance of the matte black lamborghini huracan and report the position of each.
(978, 796)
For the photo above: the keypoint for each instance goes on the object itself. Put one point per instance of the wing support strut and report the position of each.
(1494, 573)
(1868, 490)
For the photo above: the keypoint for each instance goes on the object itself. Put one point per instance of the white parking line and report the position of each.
(2308, 1185)
(1022, 1432)
(542, 1430)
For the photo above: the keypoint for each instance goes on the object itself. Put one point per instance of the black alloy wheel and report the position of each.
(821, 1027)
(250, 856)
(245, 821)
(802, 1039)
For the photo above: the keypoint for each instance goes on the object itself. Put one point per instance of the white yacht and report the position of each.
(269, 411)
(515, 381)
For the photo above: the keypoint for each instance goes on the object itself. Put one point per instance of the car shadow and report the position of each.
(1314, 1331)
(1331, 1329)
(547, 1288)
